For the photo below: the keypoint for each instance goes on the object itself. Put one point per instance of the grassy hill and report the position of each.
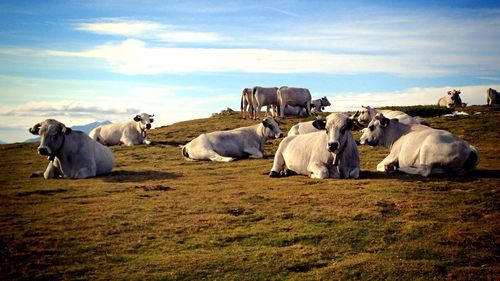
(158, 216)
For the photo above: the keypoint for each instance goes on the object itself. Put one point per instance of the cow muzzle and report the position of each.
(148, 126)
(44, 151)
(333, 146)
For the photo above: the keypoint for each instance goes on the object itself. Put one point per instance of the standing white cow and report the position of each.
(246, 105)
(318, 105)
(320, 155)
(368, 113)
(417, 149)
(225, 146)
(127, 133)
(264, 96)
(451, 100)
(71, 153)
(293, 96)
(492, 97)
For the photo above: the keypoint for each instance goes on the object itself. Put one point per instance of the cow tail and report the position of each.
(184, 152)
(241, 103)
(472, 159)
(278, 102)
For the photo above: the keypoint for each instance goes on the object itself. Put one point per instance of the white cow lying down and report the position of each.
(127, 133)
(234, 144)
(72, 154)
(368, 113)
(320, 155)
(418, 149)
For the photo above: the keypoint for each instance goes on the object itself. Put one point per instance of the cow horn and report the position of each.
(35, 130)
(355, 115)
(152, 115)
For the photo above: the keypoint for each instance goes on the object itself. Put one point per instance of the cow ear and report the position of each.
(35, 130)
(266, 124)
(137, 118)
(67, 130)
(151, 120)
(319, 124)
(384, 122)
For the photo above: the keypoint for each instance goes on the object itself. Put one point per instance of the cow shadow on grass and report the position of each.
(138, 176)
(471, 176)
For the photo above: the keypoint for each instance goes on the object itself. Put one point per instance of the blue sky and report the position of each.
(82, 61)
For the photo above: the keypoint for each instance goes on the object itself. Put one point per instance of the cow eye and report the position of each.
(371, 128)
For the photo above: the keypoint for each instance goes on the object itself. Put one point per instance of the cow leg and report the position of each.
(253, 152)
(127, 141)
(423, 170)
(220, 158)
(257, 111)
(278, 163)
(389, 163)
(85, 172)
(51, 171)
(318, 170)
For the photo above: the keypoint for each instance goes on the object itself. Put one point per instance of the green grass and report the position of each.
(160, 217)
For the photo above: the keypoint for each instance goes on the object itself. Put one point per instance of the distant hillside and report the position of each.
(84, 128)
(2, 142)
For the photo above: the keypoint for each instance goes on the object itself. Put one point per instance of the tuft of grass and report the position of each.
(158, 216)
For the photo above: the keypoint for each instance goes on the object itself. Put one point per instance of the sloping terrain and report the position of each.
(158, 216)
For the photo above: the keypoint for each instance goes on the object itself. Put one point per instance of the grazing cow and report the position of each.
(293, 96)
(71, 153)
(264, 96)
(417, 149)
(127, 133)
(492, 97)
(368, 113)
(451, 100)
(225, 146)
(246, 105)
(320, 155)
(318, 105)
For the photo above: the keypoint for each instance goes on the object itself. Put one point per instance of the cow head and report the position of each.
(366, 115)
(325, 102)
(52, 136)
(455, 99)
(337, 127)
(374, 133)
(272, 129)
(145, 120)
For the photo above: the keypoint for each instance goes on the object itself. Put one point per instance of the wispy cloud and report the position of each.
(149, 30)
(63, 108)
(134, 57)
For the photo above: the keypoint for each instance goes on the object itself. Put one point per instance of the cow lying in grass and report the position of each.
(417, 149)
(225, 146)
(72, 154)
(127, 133)
(320, 155)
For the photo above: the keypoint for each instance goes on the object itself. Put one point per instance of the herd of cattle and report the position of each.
(323, 148)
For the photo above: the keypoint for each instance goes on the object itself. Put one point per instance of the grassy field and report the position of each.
(160, 217)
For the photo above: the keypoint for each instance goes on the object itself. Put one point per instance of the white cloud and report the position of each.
(149, 30)
(64, 108)
(134, 57)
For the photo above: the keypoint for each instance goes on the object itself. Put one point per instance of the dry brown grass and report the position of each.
(157, 216)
